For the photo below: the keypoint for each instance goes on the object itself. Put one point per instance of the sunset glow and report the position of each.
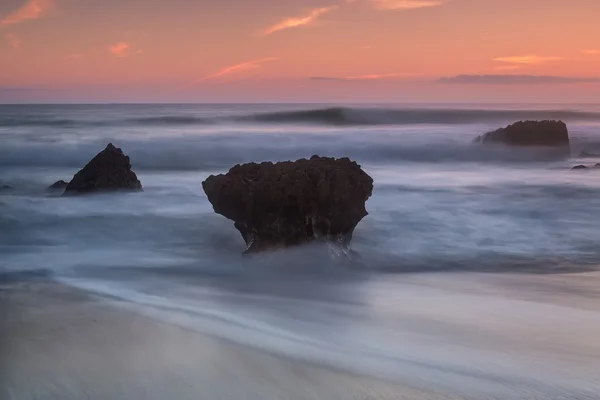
(235, 50)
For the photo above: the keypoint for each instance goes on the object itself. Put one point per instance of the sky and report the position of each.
(299, 51)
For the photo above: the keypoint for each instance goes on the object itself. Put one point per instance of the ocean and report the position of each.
(462, 256)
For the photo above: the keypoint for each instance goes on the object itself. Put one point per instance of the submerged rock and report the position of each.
(6, 188)
(110, 170)
(58, 185)
(580, 167)
(291, 203)
(531, 133)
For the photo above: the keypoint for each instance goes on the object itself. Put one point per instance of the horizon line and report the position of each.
(290, 103)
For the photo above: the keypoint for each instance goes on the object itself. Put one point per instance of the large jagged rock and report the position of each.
(290, 203)
(531, 133)
(110, 170)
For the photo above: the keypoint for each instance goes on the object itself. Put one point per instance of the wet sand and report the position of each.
(482, 336)
(59, 343)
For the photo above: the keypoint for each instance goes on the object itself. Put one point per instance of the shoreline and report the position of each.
(60, 342)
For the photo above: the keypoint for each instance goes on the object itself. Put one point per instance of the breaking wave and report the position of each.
(333, 116)
(380, 116)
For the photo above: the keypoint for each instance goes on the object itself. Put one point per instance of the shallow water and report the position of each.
(417, 308)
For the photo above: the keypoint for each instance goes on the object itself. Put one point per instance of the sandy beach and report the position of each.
(59, 343)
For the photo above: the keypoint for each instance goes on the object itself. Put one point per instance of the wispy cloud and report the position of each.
(591, 51)
(75, 56)
(31, 9)
(405, 4)
(294, 22)
(507, 67)
(361, 78)
(121, 49)
(13, 40)
(515, 79)
(235, 69)
(528, 59)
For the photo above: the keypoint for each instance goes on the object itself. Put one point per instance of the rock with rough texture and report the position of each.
(110, 170)
(58, 185)
(291, 203)
(531, 133)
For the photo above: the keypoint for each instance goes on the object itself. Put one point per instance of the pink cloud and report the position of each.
(405, 4)
(13, 40)
(236, 69)
(592, 52)
(295, 22)
(528, 59)
(374, 77)
(30, 10)
(363, 78)
(124, 49)
(507, 67)
(120, 49)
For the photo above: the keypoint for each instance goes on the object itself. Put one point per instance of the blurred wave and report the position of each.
(332, 116)
(382, 116)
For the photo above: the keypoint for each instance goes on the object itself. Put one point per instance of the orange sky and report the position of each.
(292, 50)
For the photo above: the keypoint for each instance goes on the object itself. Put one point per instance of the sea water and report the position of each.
(460, 281)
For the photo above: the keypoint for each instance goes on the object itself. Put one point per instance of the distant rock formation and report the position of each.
(6, 188)
(59, 185)
(291, 203)
(109, 170)
(585, 154)
(586, 167)
(531, 133)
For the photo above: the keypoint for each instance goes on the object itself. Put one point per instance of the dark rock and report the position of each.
(6, 187)
(290, 203)
(597, 165)
(110, 170)
(530, 133)
(580, 167)
(58, 185)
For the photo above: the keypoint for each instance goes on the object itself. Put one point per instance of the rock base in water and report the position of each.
(110, 170)
(291, 203)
